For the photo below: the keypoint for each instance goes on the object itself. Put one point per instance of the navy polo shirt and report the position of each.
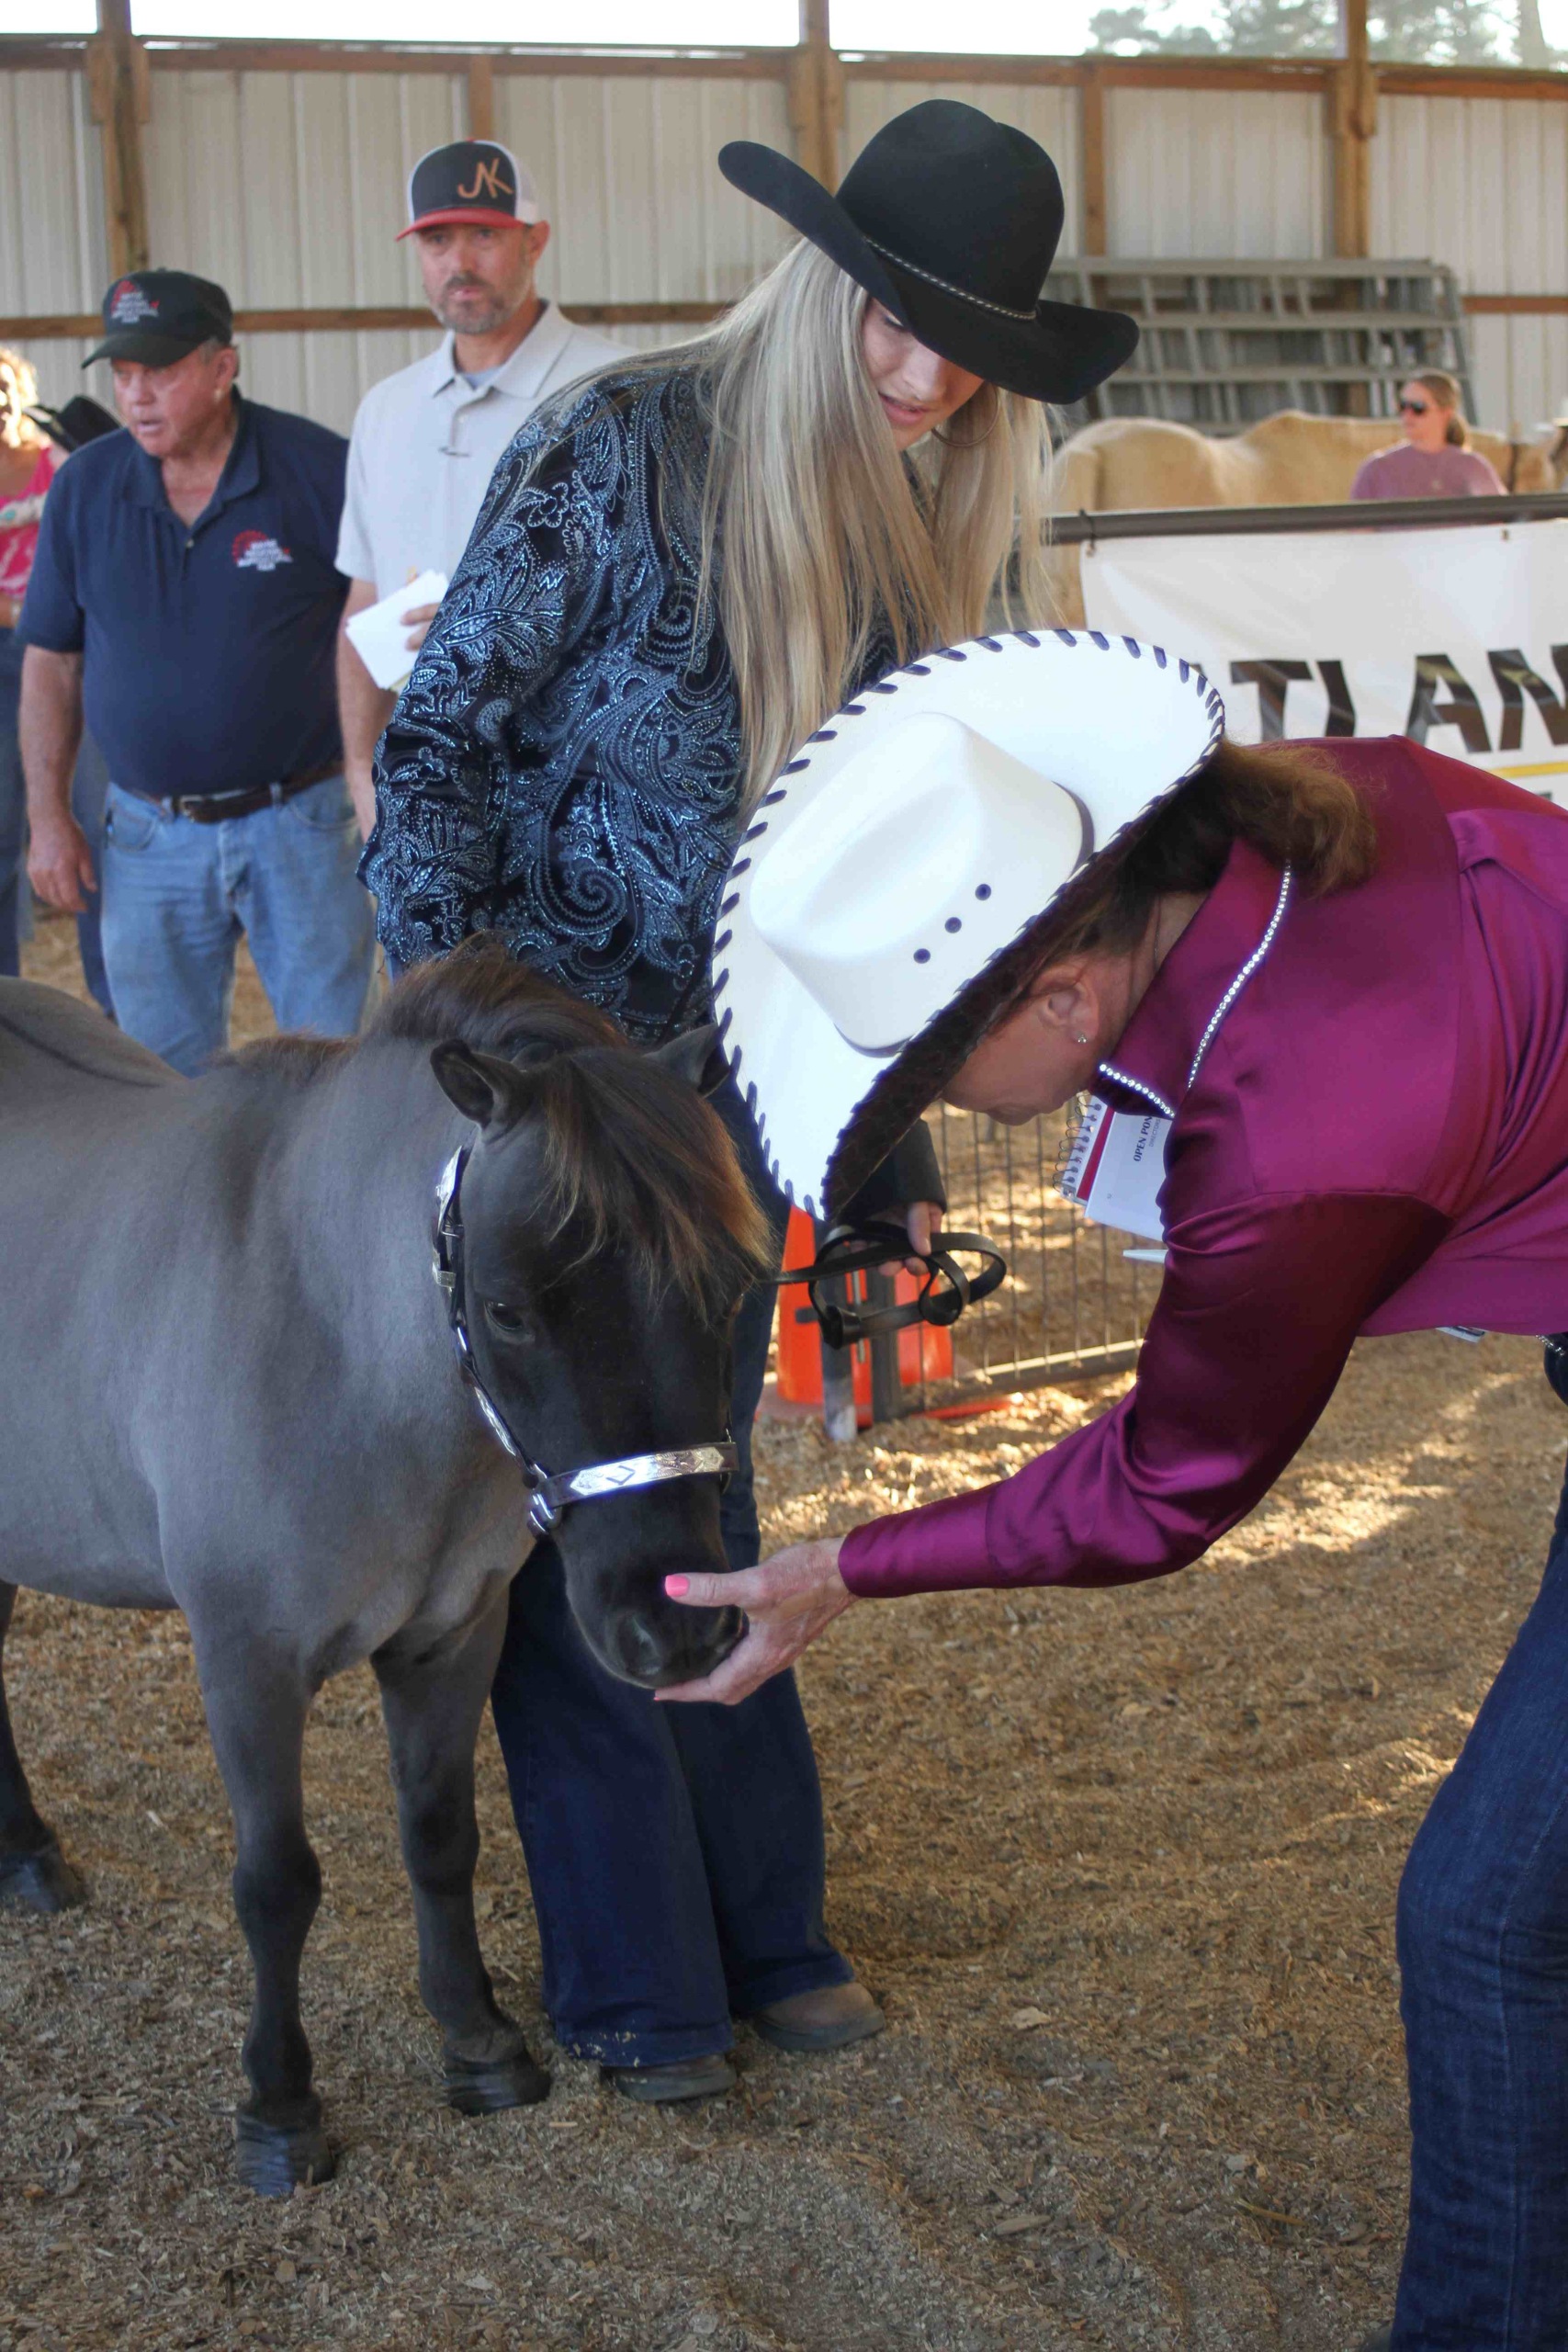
(209, 648)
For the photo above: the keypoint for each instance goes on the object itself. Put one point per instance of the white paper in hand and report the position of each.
(380, 634)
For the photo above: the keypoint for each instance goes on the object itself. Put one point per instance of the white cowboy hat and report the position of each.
(932, 825)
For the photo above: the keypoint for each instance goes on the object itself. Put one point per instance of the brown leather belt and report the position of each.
(217, 807)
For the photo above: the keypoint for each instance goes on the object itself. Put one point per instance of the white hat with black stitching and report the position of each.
(945, 817)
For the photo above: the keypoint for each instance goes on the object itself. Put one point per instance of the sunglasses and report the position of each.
(1415, 408)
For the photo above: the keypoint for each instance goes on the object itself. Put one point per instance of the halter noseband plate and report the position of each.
(548, 1495)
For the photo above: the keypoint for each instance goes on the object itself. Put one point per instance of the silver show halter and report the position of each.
(549, 1495)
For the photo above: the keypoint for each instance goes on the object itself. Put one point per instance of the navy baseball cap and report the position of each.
(157, 316)
(473, 179)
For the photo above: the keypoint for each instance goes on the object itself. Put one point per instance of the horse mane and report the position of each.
(633, 1161)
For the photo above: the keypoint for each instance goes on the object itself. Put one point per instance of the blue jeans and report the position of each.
(675, 1854)
(89, 790)
(1483, 1958)
(88, 799)
(176, 896)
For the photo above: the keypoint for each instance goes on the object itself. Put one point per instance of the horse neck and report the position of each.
(355, 1186)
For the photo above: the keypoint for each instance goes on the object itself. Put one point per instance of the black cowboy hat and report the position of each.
(79, 422)
(950, 222)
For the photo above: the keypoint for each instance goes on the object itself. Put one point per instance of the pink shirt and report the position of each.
(1406, 472)
(20, 544)
(1376, 1139)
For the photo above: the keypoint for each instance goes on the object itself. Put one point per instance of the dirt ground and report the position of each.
(1122, 1867)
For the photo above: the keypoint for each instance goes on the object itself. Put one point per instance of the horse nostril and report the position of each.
(656, 1647)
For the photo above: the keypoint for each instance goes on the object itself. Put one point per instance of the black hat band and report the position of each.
(1003, 310)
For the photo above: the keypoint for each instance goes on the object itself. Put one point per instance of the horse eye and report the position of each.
(505, 1318)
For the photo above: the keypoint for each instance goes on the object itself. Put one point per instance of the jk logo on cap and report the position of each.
(487, 177)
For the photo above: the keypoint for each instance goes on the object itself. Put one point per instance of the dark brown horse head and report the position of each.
(609, 1238)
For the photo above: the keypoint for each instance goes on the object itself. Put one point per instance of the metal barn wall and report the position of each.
(290, 189)
(1048, 114)
(1482, 185)
(629, 177)
(1217, 174)
(54, 245)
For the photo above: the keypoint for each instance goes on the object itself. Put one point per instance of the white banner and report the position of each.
(1458, 637)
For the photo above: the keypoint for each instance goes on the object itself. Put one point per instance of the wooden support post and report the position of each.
(119, 90)
(817, 96)
(1091, 143)
(1353, 102)
(481, 97)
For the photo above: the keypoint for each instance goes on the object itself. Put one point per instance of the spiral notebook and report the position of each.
(1115, 1168)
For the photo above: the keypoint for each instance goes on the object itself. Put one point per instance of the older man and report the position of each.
(184, 597)
(426, 440)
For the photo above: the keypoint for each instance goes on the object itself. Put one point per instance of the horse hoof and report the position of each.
(275, 2160)
(487, 2085)
(41, 1881)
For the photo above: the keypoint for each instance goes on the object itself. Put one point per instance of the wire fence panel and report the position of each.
(1074, 1303)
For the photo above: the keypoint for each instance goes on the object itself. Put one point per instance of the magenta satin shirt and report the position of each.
(1376, 1139)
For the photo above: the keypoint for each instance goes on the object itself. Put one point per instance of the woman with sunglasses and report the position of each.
(1436, 459)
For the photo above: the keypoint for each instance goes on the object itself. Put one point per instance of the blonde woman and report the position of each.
(679, 571)
(1434, 459)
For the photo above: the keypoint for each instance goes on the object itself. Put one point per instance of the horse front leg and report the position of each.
(256, 1705)
(433, 1702)
(33, 1871)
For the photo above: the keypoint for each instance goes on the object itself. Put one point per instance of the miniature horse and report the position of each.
(228, 1385)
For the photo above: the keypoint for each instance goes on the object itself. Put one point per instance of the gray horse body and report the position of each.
(186, 1428)
(228, 1385)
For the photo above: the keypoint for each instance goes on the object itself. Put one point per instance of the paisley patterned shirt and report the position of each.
(565, 764)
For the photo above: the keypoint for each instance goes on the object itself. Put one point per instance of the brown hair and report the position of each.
(633, 1157)
(1287, 803)
(1445, 391)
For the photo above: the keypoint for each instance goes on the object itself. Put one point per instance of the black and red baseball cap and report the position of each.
(472, 180)
(158, 316)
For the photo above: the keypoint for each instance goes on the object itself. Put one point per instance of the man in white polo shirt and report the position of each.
(427, 439)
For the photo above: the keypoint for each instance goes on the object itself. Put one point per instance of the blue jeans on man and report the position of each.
(177, 895)
(1482, 1931)
(675, 1854)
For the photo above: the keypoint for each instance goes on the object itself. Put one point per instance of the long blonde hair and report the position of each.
(19, 392)
(816, 535)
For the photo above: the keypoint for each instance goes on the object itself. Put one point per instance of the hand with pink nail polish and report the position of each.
(788, 1601)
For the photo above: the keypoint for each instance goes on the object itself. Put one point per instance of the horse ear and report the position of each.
(687, 1057)
(491, 1092)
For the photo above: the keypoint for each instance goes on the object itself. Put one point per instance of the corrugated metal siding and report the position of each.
(1482, 185)
(1214, 173)
(314, 168)
(1048, 114)
(628, 178)
(54, 243)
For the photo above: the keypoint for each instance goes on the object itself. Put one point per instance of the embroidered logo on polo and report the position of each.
(259, 551)
(130, 303)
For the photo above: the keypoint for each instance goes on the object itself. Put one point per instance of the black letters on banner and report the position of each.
(1514, 680)
(1433, 672)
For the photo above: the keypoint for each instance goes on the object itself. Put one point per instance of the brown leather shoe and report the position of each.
(830, 2018)
(685, 2079)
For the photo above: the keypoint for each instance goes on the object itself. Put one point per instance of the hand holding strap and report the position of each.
(849, 1249)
